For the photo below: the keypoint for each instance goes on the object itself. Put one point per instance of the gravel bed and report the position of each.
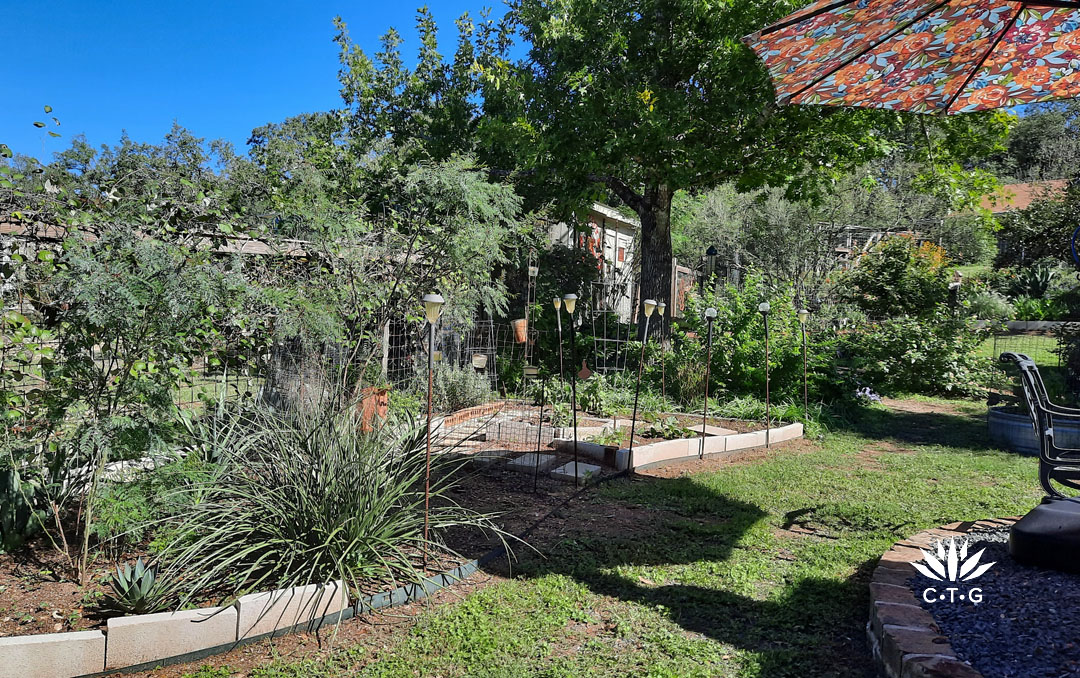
(1027, 625)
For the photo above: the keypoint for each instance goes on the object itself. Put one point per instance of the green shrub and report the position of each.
(1029, 308)
(897, 277)
(685, 376)
(668, 428)
(1068, 351)
(455, 388)
(133, 511)
(591, 394)
(305, 497)
(607, 438)
(989, 305)
(560, 414)
(738, 351)
(1033, 281)
(125, 514)
(405, 403)
(937, 355)
(22, 510)
(511, 374)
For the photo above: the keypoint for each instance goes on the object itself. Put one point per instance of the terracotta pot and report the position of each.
(374, 403)
(521, 330)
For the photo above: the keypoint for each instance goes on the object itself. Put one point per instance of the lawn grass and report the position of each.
(1039, 347)
(756, 569)
(970, 270)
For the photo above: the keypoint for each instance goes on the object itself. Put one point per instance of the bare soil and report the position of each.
(38, 596)
(570, 514)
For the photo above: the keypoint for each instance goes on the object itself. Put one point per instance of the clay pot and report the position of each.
(521, 330)
(374, 404)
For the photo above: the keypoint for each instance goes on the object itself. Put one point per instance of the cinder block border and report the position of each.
(52, 655)
(681, 449)
(688, 449)
(905, 640)
(83, 654)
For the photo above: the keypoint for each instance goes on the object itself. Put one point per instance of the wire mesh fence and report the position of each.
(1043, 347)
(1039, 346)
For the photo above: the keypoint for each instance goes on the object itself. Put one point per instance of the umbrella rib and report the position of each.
(791, 21)
(979, 65)
(853, 57)
(1058, 4)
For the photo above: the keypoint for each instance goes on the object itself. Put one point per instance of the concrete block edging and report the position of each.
(98, 640)
(662, 453)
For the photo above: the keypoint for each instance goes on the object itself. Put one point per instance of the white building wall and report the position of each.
(613, 240)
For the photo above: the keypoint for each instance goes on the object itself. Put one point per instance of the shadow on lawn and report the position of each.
(916, 423)
(814, 627)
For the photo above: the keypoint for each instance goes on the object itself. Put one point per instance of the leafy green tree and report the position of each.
(787, 240)
(641, 98)
(433, 110)
(1043, 230)
(126, 319)
(1043, 144)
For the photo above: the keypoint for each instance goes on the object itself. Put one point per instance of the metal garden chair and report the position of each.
(1056, 463)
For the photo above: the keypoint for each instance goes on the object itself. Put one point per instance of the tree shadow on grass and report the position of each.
(811, 627)
(919, 427)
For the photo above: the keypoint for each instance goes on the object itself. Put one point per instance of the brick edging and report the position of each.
(460, 416)
(904, 638)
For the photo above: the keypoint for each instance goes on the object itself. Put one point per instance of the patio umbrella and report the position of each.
(925, 56)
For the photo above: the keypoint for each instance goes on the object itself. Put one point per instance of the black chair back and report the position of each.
(1061, 465)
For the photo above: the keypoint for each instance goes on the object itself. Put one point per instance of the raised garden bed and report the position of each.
(36, 647)
(501, 432)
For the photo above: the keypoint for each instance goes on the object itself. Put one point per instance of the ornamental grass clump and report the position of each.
(305, 497)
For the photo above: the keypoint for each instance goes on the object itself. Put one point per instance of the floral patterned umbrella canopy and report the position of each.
(926, 56)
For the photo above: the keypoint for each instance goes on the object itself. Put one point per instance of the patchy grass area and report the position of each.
(757, 568)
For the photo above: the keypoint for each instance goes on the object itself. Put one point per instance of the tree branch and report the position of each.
(621, 189)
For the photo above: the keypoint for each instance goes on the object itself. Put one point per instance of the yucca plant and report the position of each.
(305, 497)
(135, 590)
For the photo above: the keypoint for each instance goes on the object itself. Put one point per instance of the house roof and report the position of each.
(1019, 196)
(614, 215)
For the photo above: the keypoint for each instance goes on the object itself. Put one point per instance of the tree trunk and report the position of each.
(655, 215)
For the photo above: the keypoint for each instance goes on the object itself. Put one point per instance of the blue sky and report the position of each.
(218, 68)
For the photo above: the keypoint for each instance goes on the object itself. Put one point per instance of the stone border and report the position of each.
(680, 449)
(905, 640)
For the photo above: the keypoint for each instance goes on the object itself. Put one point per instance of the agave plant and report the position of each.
(136, 590)
(1033, 281)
